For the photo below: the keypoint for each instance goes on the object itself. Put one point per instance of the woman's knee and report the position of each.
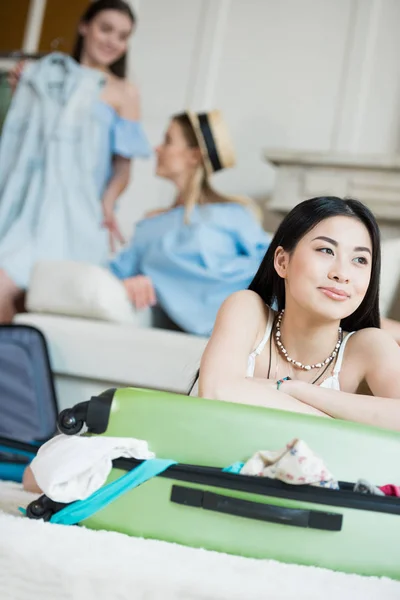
(8, 287)
(10, 294)
(29, 482)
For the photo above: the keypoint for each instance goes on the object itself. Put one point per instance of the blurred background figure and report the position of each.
(189, 257)
(65, 151)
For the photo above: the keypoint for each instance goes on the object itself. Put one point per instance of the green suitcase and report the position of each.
(195, 503)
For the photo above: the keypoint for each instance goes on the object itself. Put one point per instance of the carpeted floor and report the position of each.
(49, 562)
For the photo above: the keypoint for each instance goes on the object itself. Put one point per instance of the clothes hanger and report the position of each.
(21, 55)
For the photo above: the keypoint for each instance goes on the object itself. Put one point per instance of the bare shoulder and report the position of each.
(243, 310)
(371, 335)
(373, 343)
(129, 90)
(130, 101)
(124, 96)
(245, 300)
(239, 326)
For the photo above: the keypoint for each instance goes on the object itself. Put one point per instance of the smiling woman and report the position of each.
(306, 334)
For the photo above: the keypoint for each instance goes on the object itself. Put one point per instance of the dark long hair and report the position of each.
(301, 219)
(119, 67)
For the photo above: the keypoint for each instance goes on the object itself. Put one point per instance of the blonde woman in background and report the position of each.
(206, 245)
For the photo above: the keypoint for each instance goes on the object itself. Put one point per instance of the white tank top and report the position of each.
(331, 382)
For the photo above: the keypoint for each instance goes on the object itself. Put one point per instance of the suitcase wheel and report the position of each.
(68, 423)
(38, 510)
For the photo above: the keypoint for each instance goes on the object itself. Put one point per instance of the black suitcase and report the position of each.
(28, 406)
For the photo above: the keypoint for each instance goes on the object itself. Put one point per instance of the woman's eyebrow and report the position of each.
(334, 243)
(326, 239)
(362, 249)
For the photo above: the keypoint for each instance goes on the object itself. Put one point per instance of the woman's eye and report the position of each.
(326, 250)
(361, 260)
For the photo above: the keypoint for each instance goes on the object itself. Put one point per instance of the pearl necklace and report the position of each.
(296, 363)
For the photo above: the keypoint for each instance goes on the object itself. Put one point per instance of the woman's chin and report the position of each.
(104, 59)
(160, 172)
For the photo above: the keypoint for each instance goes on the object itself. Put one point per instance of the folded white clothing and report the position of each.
(69, 468)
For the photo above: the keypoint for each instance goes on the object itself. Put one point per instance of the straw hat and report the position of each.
(214, 140)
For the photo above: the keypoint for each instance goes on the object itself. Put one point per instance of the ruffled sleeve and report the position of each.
(130, 140)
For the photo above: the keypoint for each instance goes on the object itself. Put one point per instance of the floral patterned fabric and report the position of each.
(296, 464)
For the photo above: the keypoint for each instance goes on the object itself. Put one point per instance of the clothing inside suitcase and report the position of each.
(28, 407)
(199, 505)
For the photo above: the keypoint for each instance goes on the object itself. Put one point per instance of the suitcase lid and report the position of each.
(28, 407)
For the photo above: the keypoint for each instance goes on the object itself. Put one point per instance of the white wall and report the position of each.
(301, 74)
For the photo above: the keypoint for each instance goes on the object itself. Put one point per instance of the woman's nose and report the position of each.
(339, 277)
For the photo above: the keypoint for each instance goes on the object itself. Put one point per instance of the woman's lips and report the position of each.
(335, 293)
(109, 52)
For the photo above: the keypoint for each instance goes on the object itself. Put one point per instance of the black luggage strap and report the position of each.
(313, 519)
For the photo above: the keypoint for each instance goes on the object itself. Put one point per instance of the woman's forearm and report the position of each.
(254, 391)
(118, 182)
(370, 410)
(114, 189)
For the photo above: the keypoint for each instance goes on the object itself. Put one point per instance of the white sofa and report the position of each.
(89, 356)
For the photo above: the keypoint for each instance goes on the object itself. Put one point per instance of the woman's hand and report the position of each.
(110, 222)
(14, 75)
(140, 291)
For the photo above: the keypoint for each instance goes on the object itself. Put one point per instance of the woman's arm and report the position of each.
(239, 326)
(118, 180)
(129, 109)
(116, 185)
(378, 351)
(370, 410)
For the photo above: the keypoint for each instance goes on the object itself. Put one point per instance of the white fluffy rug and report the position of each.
(40, 561)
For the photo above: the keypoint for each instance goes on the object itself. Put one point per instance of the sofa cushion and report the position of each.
(80, 289)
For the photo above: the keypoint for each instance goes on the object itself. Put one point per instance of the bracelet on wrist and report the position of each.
(280, 381)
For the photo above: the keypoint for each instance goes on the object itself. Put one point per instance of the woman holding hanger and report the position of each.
(57, 196)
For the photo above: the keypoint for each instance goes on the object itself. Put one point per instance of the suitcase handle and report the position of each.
(297, 517)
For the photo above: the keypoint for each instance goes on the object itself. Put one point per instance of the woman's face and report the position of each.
(330, 269)
(105, 38)
(175, 158)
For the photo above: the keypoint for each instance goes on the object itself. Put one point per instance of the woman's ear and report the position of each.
(281, 260)
(195, 157)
